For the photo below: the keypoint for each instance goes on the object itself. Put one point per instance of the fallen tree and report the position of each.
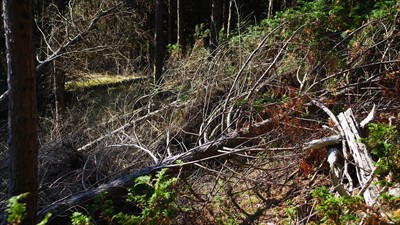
(232, 141)
(203, 152)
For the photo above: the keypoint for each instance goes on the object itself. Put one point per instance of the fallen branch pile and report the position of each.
(203, 152)
(352, 151)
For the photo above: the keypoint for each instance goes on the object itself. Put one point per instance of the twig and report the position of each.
(368, 182)
(272, 64)
(126, 126)
(238, 75)
(138, 147)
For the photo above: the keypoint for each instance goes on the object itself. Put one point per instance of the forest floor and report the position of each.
(234, 130)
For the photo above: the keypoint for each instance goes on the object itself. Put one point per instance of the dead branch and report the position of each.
(4, 97)
(364, 163)
(334, 160)
(344, 147)
(350, 135)
(232, 139)
(127, 126)
(323, 142)
(277, 57)
(61, 50)
(369, 118)
(247, 62)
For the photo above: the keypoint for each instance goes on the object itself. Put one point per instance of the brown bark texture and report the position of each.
(22, 114)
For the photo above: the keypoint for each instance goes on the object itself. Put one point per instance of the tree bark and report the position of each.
(159, 42)
(59, 93)
(180, 26)
(227, 17)
(22, 108)
(216, 23)
(170, 21)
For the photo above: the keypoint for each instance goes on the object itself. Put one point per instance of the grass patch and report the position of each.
(97, 79)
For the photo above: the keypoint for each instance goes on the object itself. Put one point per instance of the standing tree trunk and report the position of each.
(171, 12)
(59, 74)
(216, 23)
(180, 26)
(59, 93)
(22, 114)
(227, 14)
(159, 42)
(274, 6)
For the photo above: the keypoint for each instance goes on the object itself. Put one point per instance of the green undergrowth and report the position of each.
(152, 200)
(383, 141)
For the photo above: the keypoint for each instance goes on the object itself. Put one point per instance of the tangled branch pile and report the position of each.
(234, 127)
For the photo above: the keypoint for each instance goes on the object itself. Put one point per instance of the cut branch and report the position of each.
(323, 142)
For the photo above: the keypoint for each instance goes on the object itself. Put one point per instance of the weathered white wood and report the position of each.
(369, 118)
(323, 142)
(336, 165)
(362, 159)
(345, 152)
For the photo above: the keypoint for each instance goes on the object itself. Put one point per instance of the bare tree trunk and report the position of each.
(59, 93)
(22, 114)
(170, 21)
(270, 8)
(216, 23)
(227, 16)
(159, 42)
(273, 7)
(180, 27)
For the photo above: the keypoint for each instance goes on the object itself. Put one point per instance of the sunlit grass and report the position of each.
(96, 79)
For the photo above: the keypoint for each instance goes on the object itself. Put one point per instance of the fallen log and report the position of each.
(363, 161)
(352, 151)
(232, 139)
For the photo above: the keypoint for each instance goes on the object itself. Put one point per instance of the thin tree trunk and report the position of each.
(59, 93)
(159, 42)
(180, 26)
(170, 21)
(22, 114)
(270, 8)
(227, 16)
(216, 23)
